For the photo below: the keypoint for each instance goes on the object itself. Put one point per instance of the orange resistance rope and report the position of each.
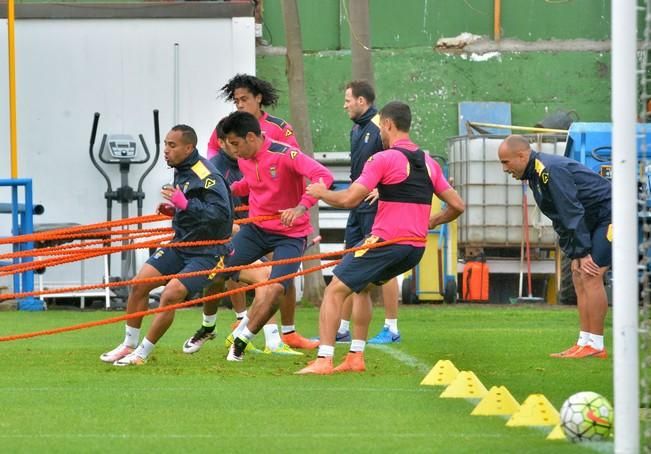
(163, 309)
(204, 272)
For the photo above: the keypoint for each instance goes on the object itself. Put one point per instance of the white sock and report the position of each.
(246, 334)
(272, 336)
(357, 345)
(209, 320)
(596, 341)
(131, 336)
(344, 326)
(288, 329)
(392, 323)
(326, 351)
(243, 324)
(145, 349)
(584, 339)
(240, 315)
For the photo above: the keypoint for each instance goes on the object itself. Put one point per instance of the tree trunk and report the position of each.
(314, 283)
(360, 40)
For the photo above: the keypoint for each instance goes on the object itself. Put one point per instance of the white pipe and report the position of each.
(625, 221)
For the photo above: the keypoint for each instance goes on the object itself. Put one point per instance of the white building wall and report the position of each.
(67, 69)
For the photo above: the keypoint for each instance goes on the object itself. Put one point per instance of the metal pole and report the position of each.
(625, 224)
(12, 89)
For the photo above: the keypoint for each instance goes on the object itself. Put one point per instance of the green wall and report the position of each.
(409, 23)
(536, 84)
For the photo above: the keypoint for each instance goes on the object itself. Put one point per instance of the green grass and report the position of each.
(56, 396)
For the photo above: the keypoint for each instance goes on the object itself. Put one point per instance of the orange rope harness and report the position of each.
(164, 278)
(164, 308)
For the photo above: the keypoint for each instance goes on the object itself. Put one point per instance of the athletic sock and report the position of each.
(246, 335)
(240, 315)
(344, 326)
(209, 321)
(288, 329)
(357, 346)
(584, 339)
(596, 341)
(145, 348)
(243, 324)
(392, 323)
(131, 336)
(271, 336)
(326, 351)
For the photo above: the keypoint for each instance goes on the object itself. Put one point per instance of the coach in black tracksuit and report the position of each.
(578, 202)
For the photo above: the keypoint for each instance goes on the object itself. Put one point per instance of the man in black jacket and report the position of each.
(202, 207)
(578, 202)
(365, 141)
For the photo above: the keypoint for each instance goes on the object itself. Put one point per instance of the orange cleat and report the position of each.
(354, 362)
(320, 366)
(565, 353)
(588, 351)
(295, 340)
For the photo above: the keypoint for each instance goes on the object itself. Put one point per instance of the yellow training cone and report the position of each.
(498, 401)
(466, 385)
(441, 374)
(536, 410)
(557, 434)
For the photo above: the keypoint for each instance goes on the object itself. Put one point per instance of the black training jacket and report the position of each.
(575, 198)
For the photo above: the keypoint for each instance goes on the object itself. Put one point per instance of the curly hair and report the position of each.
(254, 85)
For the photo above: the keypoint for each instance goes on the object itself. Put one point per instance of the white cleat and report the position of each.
(195, 343)
(116, 354)
(232, 356)
(130, 360)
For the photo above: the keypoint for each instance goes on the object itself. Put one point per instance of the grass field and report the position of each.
(56, 396)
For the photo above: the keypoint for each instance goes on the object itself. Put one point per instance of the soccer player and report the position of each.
(406, 179)
(200, 200)
(578, 201)
(274, 180)
(251, 94)
(365, 141)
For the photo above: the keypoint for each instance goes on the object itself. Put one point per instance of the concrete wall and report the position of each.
(535, 83)
(67, 69)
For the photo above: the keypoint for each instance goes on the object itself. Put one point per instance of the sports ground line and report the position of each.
(407, 359)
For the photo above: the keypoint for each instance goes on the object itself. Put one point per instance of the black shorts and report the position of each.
(378, 265)
(252, 243)
(174, 261)
(602, 238)
(358, 226)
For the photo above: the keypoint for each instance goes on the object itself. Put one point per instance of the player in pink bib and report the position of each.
(406, 180)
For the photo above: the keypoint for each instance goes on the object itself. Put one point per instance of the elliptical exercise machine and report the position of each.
(123, 150)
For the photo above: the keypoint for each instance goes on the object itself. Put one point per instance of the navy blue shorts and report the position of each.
(378, 265)
(358, 226)
(174, 261)
(602, 238)
(252, 243)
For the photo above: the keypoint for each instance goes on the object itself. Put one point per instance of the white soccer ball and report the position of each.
(587, 416)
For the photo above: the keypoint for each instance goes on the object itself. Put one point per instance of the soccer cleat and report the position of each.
(202, 336)
(236, 350)
(565, 353)
(282, 349)
(385, 337)
(130, 360)
(295, 340)
(588, 351)
(354, 362)
(320, 366)
(249, 346)
(343, 337)
(117, 353)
